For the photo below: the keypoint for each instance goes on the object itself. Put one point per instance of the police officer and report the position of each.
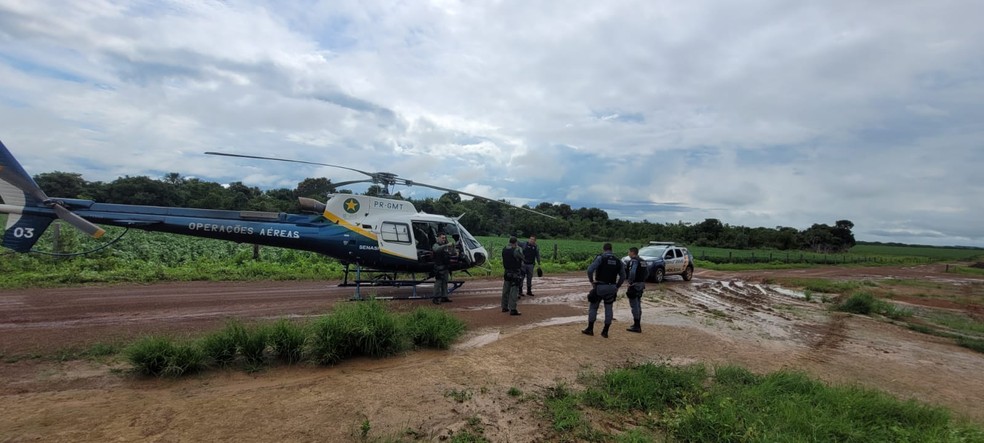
(531, 255)
(606, 275)
(442, 266)
(638, 271)
(512, 278)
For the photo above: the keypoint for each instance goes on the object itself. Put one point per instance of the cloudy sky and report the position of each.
(756, 112)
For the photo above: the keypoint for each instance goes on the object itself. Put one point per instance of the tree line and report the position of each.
(479, 216)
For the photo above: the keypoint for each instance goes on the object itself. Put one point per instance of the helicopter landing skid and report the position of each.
(388, 279)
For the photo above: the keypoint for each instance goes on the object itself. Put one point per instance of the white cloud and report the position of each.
(762, 113)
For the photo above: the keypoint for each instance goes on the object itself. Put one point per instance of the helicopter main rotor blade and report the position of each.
(350, 182)
(21, 182)
(289, 161)
(385, 178)
(439, 188)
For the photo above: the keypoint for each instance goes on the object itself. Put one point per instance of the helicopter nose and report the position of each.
(479, 259)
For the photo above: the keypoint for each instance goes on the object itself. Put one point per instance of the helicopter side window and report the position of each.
(420, 231)
(395, 232)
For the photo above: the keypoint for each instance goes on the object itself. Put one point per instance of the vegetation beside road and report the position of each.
(357, 329)
(657, 402)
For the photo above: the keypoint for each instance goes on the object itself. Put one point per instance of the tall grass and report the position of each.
(220, 347)
(287, 340)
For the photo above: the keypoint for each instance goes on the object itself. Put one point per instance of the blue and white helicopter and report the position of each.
(381, 237)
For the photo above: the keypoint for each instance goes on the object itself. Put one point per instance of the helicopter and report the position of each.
(382, 237)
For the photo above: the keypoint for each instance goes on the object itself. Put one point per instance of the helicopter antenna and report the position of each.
(384, 179)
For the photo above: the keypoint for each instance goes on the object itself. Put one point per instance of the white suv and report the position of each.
(666, 258)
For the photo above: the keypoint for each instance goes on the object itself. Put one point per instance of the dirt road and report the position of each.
(718, 318)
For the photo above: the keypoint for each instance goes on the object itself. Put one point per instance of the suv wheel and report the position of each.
(688, 274)
(658, 275)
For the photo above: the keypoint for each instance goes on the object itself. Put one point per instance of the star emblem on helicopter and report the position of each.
(351, 206)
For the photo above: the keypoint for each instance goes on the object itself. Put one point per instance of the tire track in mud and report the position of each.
(831, 336)
(750, 306)
(747, 306)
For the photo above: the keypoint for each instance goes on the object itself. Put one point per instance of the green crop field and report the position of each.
(148, 256)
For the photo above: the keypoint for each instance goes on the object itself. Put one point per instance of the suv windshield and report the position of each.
(652, 251)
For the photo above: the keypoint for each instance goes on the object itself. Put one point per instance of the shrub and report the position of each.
(859, 303)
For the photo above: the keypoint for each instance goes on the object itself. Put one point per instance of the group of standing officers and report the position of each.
(607, 273)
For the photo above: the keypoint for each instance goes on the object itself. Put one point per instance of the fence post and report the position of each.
(555, 252)
(56, 237)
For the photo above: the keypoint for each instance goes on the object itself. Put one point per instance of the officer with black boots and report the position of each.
(512, 278)
(531, 256)
(606, 275)
(638, 271)
(442, 267)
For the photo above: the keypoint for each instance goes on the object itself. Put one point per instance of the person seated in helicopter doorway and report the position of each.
(531, 256)
(443, 251)
(512, 277)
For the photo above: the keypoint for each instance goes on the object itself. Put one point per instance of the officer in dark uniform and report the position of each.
(442, 266)
(531, 256)
(606, 275)
(512, 278)
(638, 271)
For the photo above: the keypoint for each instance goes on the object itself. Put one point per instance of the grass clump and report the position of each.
(562, 408)
(287, 339)
(863, 303)
(433, 328)
(649, 387)
(458, 395)
(161, 356)
(364, 328)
